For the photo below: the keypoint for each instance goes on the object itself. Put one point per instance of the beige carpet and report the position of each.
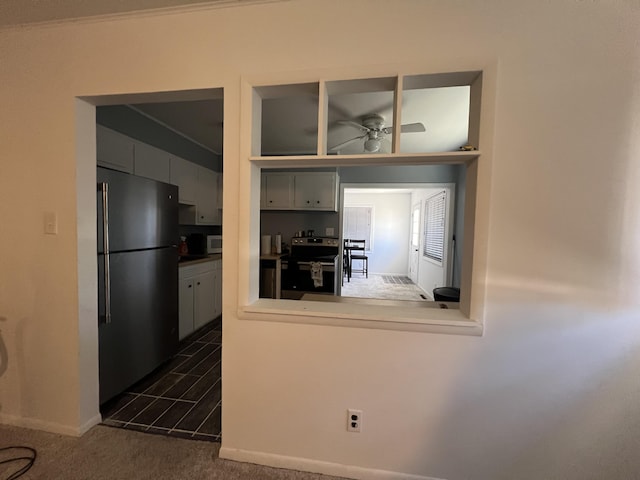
(116, 454)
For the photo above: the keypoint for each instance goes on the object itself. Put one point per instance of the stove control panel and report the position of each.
(313, 241)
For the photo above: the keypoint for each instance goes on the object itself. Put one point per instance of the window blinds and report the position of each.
(434, 222)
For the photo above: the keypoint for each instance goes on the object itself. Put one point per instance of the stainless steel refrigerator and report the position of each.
(137, 278)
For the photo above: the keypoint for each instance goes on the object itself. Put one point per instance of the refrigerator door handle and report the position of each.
(104, 187)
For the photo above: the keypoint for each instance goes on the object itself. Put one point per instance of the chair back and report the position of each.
(358, 244)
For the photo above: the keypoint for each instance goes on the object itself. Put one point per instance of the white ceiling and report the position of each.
(21, 12)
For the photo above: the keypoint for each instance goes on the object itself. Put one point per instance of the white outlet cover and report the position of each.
(354, 420)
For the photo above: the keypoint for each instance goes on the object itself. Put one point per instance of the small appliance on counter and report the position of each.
(196, 244)
(214, 244)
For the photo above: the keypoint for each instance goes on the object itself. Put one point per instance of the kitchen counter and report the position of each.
(194, 259)
(274, 282)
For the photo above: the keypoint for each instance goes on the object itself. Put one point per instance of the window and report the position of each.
(341, 112)
(357, 224)
(434, 226)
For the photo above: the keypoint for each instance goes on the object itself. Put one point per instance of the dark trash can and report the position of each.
(446, 294)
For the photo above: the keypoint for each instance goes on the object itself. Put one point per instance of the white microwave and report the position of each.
(214, 244)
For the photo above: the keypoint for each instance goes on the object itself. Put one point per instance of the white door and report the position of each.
(435, 238)
(414, 246)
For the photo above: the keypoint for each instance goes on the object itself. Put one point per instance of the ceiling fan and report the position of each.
(374, 131)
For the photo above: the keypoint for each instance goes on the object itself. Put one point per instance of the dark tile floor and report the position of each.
(182, 398)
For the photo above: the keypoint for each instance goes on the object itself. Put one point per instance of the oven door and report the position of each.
(298, 279)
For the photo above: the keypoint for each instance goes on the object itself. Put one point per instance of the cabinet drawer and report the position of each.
(188, 271)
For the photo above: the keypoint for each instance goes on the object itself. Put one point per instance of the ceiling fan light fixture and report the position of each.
(372, 145)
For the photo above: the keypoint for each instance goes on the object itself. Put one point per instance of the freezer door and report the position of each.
(143, 331)
(142, 213)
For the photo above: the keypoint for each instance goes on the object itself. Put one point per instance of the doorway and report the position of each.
(182, 396)
(395, 228)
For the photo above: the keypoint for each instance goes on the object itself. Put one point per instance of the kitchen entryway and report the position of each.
(182, 398)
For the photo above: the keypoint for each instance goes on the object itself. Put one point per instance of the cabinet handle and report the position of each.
(198, 283)
(189, 286)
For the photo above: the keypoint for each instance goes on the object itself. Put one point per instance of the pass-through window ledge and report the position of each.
(429, 317)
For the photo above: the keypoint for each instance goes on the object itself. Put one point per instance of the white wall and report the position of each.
(391, 223)
(550, 391)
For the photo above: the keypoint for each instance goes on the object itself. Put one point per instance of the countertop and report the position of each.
(193, 259)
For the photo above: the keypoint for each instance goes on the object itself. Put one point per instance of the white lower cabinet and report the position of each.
(199, 300)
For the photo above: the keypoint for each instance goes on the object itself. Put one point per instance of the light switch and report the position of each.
(50, 223)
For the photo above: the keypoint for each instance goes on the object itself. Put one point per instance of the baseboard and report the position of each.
(89, 424)
(315, 466)
(50, 427)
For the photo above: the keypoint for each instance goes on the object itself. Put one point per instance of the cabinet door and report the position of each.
(277, 191)
(151, 162)
(315, 191)
(205, 308)
(207, 197)
(114, 150)
(184, 174)
(186, 307)
(326, 189)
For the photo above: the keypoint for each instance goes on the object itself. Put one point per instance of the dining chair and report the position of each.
(357, 249)
(346, 264)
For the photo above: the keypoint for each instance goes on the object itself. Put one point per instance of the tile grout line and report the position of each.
(200, 363)
(135, 395)
(215, 341)
(194, 406)
(207, 417)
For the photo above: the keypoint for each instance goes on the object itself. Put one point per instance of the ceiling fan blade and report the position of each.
(407, 128)
(353, 124)
(348, 142)
(412, 128)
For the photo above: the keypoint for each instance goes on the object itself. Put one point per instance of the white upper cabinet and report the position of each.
(114, 150)
(151, 162)
(184, 174)
(299, 191)
(277, 191)
(207, 209)
(199, 189)
(315, 191)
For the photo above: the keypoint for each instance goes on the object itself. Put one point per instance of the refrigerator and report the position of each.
(137, 278)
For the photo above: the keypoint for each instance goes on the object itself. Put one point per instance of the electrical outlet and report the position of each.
(354, 420)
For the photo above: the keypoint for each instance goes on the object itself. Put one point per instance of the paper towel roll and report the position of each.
(278, 244)
(266, 245)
